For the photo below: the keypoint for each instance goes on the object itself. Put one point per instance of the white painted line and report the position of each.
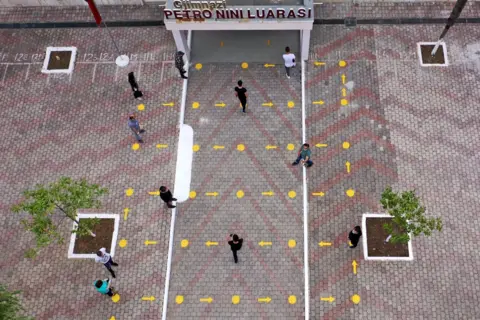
(94, 72)
(70, 78)
(183, 173)
(116, 74)
(305, 206)
(4, 73)
(28, 71)
(161, 72)
(48, 79)
(139, 71)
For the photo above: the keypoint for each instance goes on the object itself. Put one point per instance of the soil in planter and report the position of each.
(427, 58)
(88, 244)
(376, 236)
(59, 60)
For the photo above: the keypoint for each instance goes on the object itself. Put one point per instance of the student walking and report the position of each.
(289, 59)
(103, 286)
(235, 245)
(304, 156)
(167, 196)
(137, 94)
(179, 63)
(354, 236)
(241, 94)
(134, 125)
(106, 259)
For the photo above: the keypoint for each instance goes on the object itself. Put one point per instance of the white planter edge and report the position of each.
(47, 58)
(116, 218)
(364, 240)
(445, 53)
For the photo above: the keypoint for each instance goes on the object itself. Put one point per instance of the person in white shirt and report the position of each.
(289, 59)
(106, 259)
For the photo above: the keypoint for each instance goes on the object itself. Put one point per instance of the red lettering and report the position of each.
(207, 14)
(197, 14)
(301, 13)
(280, 14)
(291, 14)
(167, 13)
(270, 14)
(177, 14)
(250, 16)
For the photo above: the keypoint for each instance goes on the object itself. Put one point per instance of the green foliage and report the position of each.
(63, 197)
(408, 216)
(10, 305)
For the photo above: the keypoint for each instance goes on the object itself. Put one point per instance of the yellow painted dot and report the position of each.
(290, 146)
(135, 146)
(356, 299)
(122, 243)
(198, 66)
(195, 105)
(350, 193)
(240, 147)
(291, 104)
(292, 243)
(342, 63)
(244, 65)
(292, 194)
(141, 107)
(192, 195)
(344, 102)
(179, 299)
(112, 318)
(240, 194)
(116, 297)
(129, 192)
(235, 299)
(346, 145)
(292, 299)
(196, 147)
(184, 243)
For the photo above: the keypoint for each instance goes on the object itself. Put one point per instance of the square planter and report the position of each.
(424, 54)
(373, 238)
(106, 236)
(59, 60)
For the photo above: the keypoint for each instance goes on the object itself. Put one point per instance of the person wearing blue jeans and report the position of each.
(134, 125)
(304, 156)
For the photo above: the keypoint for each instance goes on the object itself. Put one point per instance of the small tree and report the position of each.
(408, 216)
(10, 305)
(63, 197)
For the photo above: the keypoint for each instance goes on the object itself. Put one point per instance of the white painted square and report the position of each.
(47, 58)
(116, 224)
(364, 240)
(445, 53)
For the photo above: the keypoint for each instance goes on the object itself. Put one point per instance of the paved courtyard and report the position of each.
(407, 126)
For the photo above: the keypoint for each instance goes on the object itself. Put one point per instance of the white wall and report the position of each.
(39, 3)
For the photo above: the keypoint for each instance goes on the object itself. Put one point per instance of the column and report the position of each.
(181, 42)
(305, 41)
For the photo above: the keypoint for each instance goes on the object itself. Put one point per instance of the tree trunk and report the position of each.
(75, 220)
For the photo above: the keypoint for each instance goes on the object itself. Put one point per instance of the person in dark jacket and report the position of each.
(354, 236)
(137, 94)
(235, 245)
(167, 196)
(179, 64)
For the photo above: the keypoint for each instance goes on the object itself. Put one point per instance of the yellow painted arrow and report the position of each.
(324, 244)
(348, 165)
(318, 63)
(148, 242)
(154, 193)
(329, 299)
(268, 193)
(318, 194)
(343, 78)
(318, 102)
(214, 194)
(266, 299)
(211, 243)
(321, 145)
(151, 298)
(170, 104)
(269, 65)
(267, 104)
(270, 147)
(218, 147)
(162, 146)
(222, 105)
(264, 243)
(125, 213)
(344, 92)
(207, 300)
(354, 265)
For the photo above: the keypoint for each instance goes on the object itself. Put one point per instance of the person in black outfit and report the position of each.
(137, 94)
(167, 196)
(242, 95)
(235, 245)
(179, 64)
(354, 236)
